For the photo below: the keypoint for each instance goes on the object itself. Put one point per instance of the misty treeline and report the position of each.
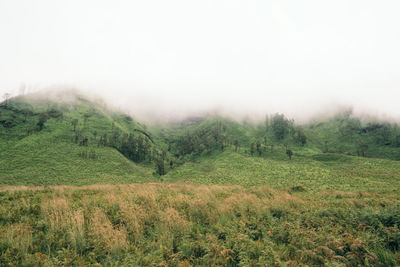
(137, 145)
(219, 136)
(278, 129)
(11, 116)
(198, 141)
(347, 134)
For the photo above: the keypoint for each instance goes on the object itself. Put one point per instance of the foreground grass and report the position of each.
(159, 224)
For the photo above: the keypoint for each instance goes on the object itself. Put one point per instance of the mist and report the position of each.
(172, 59)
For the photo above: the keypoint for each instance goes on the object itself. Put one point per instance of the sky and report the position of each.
(179, 56)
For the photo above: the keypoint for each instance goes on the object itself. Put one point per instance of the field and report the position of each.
(224, 210)
(314, 173)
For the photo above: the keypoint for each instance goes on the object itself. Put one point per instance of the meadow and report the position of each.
(321, 219)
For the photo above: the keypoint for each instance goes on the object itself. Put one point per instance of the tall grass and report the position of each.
(157, 224)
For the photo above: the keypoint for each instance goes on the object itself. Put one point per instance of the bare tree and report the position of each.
(6, 96)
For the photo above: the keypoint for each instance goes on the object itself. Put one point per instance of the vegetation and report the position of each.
(181, 224)
(82, 185)
(46, 142)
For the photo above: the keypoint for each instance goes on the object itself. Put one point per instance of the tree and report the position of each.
(385, 133)
(236, 144)
(361, 148)
(280, 126)
(28, 131)
(6, 96)
(113, 142)
(86, 116)
(103, 140)
(266, 122)
(160, 166)
(26, 112)
(397, 140)
(289, 153)
(74, 123)
(43, 117)
(299, 136)
(84, 141)
(252, 148)
(349, 126)
(78, 135)
(258, 147)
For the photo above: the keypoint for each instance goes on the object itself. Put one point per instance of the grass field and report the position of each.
(226, 209)
(163, 224)
(314, 173)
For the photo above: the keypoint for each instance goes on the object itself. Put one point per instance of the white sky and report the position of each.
(171, 56)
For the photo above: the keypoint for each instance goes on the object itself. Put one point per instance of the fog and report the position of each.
(163, 59)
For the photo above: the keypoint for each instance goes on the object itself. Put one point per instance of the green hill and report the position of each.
(58, 153)
(345, 133)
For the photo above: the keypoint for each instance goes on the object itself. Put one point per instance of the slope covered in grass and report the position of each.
(344, 133)
(81, 141)
(47, 163)
(56, 153)
(317, 172)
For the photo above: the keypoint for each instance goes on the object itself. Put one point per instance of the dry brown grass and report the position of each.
(57, 211)
(113, 239)
(178, 223)
(20, 236)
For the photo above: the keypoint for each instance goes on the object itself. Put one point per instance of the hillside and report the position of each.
(61, 152)
(345, 133)
(318, 172)
(65, 137)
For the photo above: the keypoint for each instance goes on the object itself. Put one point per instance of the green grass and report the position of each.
(50, 156)
(343, 131)
(42, 164)
(319, 172)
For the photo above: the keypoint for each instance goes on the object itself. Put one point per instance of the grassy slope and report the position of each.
(328, 130)
(315, 173)
(51, 157)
